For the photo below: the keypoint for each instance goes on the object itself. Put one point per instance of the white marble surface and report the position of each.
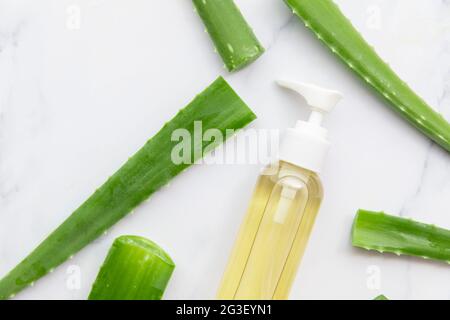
(77, 97)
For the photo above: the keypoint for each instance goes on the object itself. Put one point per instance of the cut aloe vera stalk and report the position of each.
(381, 297)
(218, 107)
(231, 34)
(325, 19)
(384, 233)
(135, 269)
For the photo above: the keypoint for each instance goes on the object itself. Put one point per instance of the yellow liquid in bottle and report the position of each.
(274, 235)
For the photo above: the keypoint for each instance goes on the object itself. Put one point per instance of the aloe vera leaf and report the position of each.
(384, 233)
(218, 107)
(135, 269)
(326, 20)
(381, 297)
(232, 36)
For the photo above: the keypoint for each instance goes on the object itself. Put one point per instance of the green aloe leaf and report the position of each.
(135, 269)
(152, 167)
(384, 233)
(329, 24)
(232, 36)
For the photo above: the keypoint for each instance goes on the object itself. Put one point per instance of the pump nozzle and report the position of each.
(319, 99)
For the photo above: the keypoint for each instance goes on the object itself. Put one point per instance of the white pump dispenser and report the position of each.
(306, 145)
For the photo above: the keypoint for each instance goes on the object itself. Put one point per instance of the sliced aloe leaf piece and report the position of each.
(330, 25)
(135, 269)
(218, 107)
(232, 36)
(385, 233)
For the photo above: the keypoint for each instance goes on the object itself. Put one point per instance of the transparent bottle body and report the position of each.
(274, 234)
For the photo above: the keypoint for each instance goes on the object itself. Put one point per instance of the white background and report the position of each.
(78, 97)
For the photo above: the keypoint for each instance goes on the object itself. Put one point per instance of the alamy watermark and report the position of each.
(73, 281)
(73, 19)
(214, 146)
(373, 281)
(374, 20)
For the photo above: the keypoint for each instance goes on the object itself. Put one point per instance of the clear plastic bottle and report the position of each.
(285, 203)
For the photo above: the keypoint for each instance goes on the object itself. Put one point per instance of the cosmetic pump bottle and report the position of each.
(281, 215)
